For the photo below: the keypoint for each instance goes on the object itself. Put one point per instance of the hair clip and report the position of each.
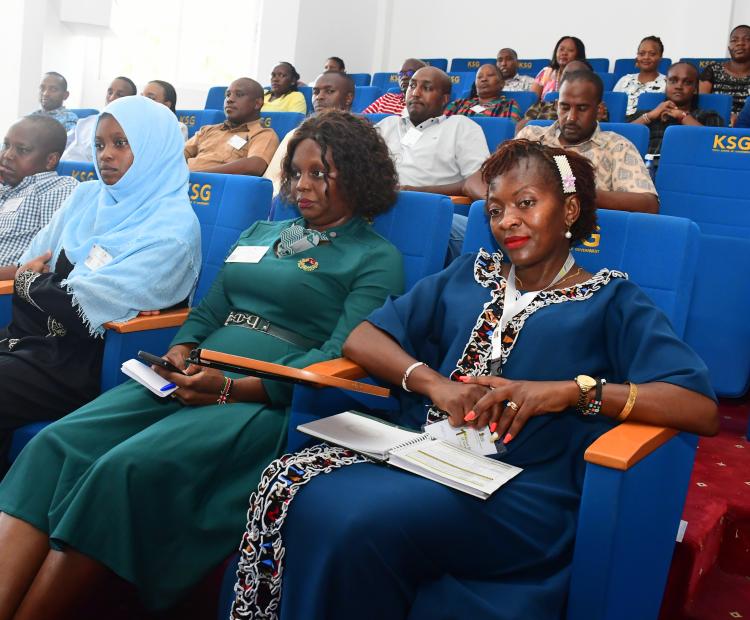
(566, 174)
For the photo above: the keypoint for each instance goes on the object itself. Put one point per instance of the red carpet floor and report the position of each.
(710, 574)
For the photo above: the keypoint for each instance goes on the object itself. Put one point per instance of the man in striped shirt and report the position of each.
(393, 103)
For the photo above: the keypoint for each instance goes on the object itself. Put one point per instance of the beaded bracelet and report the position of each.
(225, 390)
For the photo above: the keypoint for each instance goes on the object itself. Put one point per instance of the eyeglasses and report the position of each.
(403, 74)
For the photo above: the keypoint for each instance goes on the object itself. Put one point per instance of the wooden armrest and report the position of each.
(6, 287)
(461, 200)
(169, 318)
(626, 444)
(341, 367)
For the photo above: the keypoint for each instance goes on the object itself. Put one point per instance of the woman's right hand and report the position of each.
(455, 398)
(37, 265)
(178, 354)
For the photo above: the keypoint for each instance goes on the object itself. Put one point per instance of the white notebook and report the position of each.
(148, 378)
(419, 453)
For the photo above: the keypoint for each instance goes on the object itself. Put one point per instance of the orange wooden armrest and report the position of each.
(461, 200)
(167, 318)
(6, 287)
(626, 444)
(340, 367)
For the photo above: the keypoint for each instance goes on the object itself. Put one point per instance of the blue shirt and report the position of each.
(62, 115)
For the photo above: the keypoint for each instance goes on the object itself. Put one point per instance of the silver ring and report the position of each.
(512, 405)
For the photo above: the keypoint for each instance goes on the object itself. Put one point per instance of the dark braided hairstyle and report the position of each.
(512, 152)
(366, 175)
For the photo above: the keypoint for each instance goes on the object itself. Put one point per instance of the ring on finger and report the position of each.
(513, 405)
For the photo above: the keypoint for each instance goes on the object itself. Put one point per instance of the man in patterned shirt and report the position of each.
(622, 180)
(53, 91)
(394, 103)
(30, 190)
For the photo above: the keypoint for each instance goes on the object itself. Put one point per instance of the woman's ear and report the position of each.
(572, 208)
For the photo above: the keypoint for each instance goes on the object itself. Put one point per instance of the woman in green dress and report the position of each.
(153, 489)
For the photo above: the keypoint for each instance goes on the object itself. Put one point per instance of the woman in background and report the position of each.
(648, 79)
(567, 49)
(283, 95)
(164, 93)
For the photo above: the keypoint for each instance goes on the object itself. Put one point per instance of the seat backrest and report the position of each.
(385, 80)
(418, 225)
(281, 122)
(461, 82)
(360, 79)
(461, 65)
(524, 99)
(83, 112)
(701, 63)
(599, 65)
(79, 170)
(438, 63)
(376, 117)
(608, 79)
(627, 242)
(226, 204)
(496, 130)
(307, 94)
(636, 133)
(722, 104)
(623, 66)
(364, 96)
(215, 98)
(532, 66)
(195, 119)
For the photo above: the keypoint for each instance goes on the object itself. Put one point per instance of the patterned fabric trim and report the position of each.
(23, 286)
(55, 329)
(260, 571)
(258, 587)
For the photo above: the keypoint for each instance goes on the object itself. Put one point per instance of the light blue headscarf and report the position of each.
(144, 221)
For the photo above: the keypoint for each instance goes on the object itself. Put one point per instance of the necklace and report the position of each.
(519, 282)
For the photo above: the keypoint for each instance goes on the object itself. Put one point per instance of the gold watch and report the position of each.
(585, 384)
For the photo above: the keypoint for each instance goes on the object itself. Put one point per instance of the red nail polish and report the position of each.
(507, 438)
(470, 416)
(493, 426)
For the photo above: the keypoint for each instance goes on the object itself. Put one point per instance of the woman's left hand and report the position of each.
(531, 398)
(40, 264)
(200, 385)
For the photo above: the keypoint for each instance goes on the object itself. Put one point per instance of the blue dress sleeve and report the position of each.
(643, 347)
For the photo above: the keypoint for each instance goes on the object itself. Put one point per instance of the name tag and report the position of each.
(11, 205)
(247, 254)
(237, 142)
(98, 257)
(411, 137)
(478, 109)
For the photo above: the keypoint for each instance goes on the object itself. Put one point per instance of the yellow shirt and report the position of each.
(291, 102)
(212, 145)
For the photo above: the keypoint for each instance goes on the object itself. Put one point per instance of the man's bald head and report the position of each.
(32, 145)
(438, 77)
(408, 69)
(243, 101)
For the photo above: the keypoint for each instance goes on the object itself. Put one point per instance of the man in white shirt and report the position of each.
(433, 152)
(507, 62)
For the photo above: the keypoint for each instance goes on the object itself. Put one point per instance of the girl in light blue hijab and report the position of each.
(118, 246)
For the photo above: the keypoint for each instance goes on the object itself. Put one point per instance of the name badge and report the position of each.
(98, 257)
(411, 137)
(478, 109)
(247, 254)
(237, 142)
(11, 205)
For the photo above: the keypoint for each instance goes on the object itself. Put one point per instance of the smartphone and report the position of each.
(150, 358)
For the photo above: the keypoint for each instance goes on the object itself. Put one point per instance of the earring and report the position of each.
(568, 234)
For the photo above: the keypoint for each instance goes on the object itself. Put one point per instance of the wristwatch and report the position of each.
(585, 384)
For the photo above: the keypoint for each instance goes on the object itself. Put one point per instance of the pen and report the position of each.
(169, 386)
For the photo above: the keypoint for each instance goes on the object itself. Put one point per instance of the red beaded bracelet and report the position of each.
(225, 390)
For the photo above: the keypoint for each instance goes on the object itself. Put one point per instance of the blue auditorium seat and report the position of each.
(608, 79)
(600, 65)
(496, 130)
(704, 173)
(360, 79)
(215, 98)
(616, 104)
(524, 99)
(439, 63)
(632, 501)
(623, 66)
(702, 63)
(80, 170)
(461, 65)
(532, 66)
(376, 117)
(722, 104)
(281, 122)
(385, 80)
(364, 96)
(83, 112)
(226, 204)
(307, 94)
(461, 82)
(195, 119)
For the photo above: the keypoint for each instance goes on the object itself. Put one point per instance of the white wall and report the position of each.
(371, 36)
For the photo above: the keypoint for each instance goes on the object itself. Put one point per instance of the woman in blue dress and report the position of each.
(549, 371)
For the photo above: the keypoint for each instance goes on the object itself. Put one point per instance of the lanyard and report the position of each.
(514, 303)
